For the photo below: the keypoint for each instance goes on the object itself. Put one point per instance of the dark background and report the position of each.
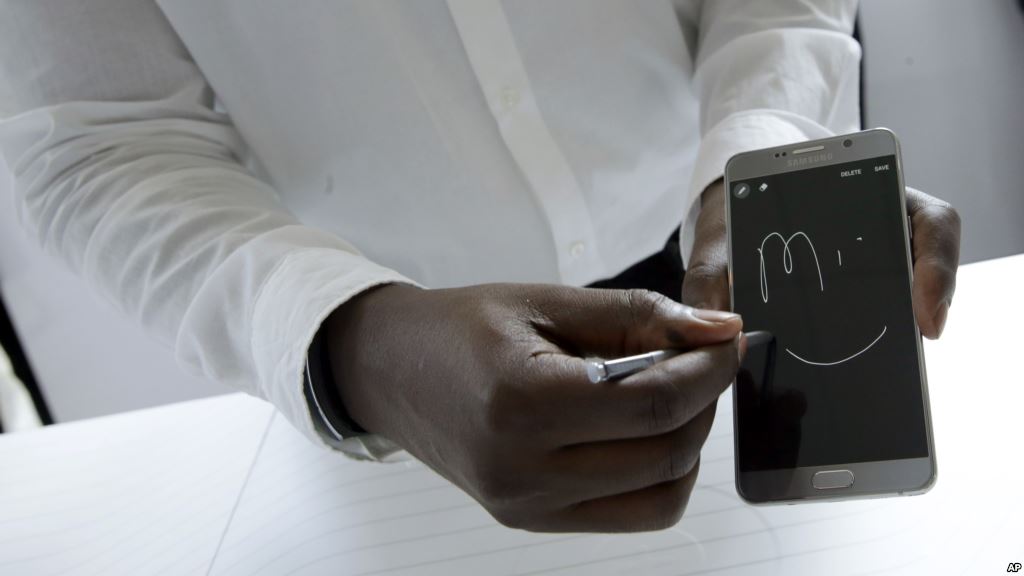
(868, 408)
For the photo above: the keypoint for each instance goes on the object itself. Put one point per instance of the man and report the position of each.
(457, 144)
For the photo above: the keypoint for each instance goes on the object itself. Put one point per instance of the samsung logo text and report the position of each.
(807, 160)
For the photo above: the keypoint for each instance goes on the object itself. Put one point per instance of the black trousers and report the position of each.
(660, 272)
(19, 362)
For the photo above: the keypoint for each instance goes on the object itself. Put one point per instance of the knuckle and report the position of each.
(672, 504)
(707, 271)
(953, 217)
(530, 521)
(942, 215)
(493, 328)
(511, 518)
(676, 501)
(936, 271)
(511, 502)
(943, 283)
(643, 304)
(492, 487)
(702, 277)
(504, 518)
(505, 406)
(665, 401)
(676, 462)
(667, 517)
(682, 450)
(946, 216)
(946, 274)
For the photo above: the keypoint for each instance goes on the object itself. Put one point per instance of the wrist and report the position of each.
(355, 341)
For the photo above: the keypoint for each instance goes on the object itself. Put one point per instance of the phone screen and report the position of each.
(819, 261)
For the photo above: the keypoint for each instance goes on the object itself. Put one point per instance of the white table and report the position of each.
(181, 490)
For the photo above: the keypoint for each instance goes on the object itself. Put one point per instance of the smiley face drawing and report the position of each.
(788, 267)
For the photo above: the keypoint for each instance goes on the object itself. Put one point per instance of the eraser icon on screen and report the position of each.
(764, 186)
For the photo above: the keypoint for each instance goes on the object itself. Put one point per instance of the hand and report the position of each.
(487, 385)
(935, 245)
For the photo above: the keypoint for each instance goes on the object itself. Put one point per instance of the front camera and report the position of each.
(847, 143)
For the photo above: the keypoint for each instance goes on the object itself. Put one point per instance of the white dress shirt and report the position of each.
(354, 143)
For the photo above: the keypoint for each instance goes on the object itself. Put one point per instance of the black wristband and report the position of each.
(320, 389)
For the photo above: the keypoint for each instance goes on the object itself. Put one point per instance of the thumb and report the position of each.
(936, 244)
(706, 283)
(624, 322)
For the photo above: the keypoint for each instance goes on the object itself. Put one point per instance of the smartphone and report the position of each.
(831, 401)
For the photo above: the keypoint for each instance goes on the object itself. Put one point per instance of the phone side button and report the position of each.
(832, 479)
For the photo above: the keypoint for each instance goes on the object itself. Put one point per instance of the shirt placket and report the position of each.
(498, 66)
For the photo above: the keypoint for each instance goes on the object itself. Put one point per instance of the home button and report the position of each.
(831, 479)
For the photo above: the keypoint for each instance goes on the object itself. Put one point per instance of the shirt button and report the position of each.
(577, 249)
(510, 98)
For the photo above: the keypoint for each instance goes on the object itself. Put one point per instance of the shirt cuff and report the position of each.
(335, 434)
(739, 132)
(297, 298)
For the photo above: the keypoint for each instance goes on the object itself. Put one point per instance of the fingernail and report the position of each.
(715, 316)
(940, 317)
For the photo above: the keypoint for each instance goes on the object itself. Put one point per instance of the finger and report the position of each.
(614, 323)
(706, 283)
(653, 508)
(599, 469)
(655, 401)
(936, 250)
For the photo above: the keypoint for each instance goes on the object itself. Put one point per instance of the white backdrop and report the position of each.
(947, 77)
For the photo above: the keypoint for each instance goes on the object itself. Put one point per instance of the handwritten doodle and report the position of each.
(787, 265)
(787, 259)
(847, 359)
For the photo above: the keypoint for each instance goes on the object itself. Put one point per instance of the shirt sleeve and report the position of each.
(769, 73)
(123, 169)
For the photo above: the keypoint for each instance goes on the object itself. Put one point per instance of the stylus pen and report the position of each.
(599, 370)
(604, 370)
